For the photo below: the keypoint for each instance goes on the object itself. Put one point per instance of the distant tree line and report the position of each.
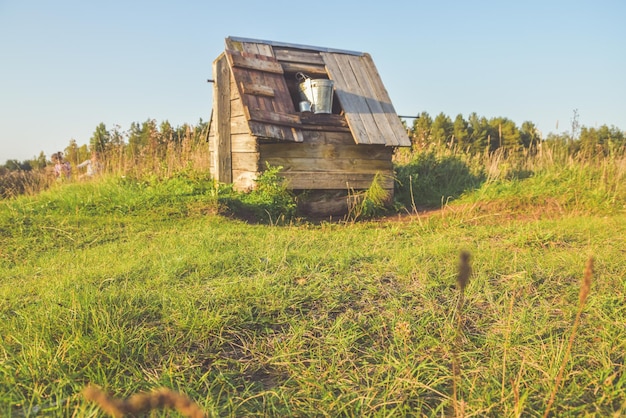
(141, 140)
(146, 140)
(477, 134)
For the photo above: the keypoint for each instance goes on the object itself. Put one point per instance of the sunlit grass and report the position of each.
(139, 285)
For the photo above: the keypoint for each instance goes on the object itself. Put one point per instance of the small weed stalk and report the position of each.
(585, 288)
(462, 280)
(143, 402)
(507, 343)
(368, 203)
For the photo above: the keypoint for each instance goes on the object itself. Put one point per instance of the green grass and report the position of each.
(134, 285)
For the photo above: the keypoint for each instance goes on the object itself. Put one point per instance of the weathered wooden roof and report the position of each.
(259, 69)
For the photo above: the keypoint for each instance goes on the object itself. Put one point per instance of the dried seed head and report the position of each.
(585, 287)
(402, 330)
(143, 402)
(465, 270)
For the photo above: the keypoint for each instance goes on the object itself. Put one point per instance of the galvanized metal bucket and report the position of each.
(305, 106)
(317, 91)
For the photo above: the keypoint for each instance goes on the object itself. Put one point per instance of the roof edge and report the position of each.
(296, 46)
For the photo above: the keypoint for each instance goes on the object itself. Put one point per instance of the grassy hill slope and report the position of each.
(134, 285)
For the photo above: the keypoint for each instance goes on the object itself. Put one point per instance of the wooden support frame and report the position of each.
(221, 98)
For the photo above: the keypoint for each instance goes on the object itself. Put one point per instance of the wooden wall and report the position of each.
(233, 150)
(244, 146)
(323, 161)
(329, 161)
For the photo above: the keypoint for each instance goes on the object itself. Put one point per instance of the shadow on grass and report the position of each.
(430, 180)
(425, 182)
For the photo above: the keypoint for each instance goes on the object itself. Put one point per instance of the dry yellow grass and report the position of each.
(585, 289)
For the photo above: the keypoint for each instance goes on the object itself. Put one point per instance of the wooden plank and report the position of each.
(284, 119)
(291, 45)
(221, 99)
(328, 137)
(324, 122)
(359, 99)
(308, 69)
(251, 47)
(322, 165)
(281, 101)
(296, 55)
(328, 151)
(246, 161)
(265, 49)
(236, 109)
(326, 128)
(264, 130)
(395, 124)
(211, 142)
(211, 120)
(348, 100)
(328, 203)
(243, 143)
(234, 90)
(257, 90)
(298, 180)
(252, 63)
(239, 125)
(245, 76)
(259, 48)
(233, 44)
(369, 89)
(269, 116)
(323, 119)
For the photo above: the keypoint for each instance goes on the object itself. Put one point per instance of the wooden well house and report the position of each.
(256, 120)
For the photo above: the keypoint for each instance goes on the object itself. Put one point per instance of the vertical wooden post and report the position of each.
(221, 104)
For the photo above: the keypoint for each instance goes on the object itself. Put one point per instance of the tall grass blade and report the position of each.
(462, 280)
(585, 289)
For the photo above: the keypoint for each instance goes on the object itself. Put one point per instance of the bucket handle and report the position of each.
(302, 77)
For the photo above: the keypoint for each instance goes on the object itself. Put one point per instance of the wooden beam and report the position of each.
(347, 166)
(322, 151)
(285, 119)
(324, 119)
(221, 100)
(294, 55)
(252, 63)
(299, 180)
(328, 137)
(257, 90)
(308, 69)
(272, 131)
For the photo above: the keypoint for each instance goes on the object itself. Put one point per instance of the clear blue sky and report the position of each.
(66, 66)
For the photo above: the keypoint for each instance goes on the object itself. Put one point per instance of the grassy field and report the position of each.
(136, 285)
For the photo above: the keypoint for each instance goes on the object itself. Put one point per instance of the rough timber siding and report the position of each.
(329, 161)
(358, 87)
(233, 150)
(222, 100)
(365, 101)
(266, 100)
